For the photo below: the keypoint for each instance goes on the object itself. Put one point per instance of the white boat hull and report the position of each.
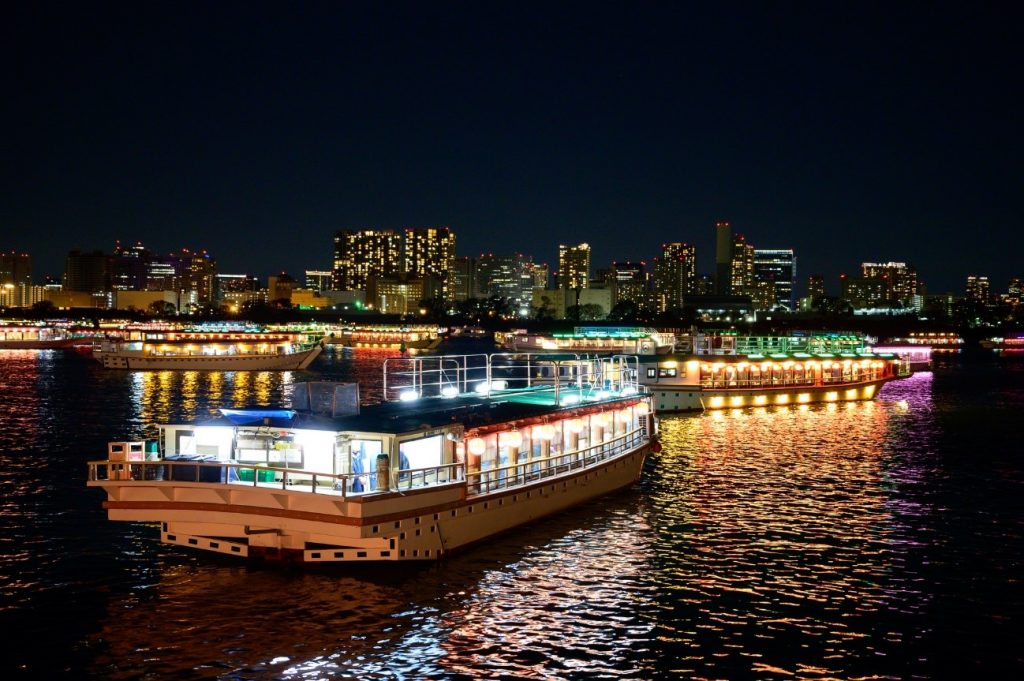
(420, 524)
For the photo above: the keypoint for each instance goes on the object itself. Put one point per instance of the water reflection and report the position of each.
(788, 557)
(160, 397)
(21, 383)
(868, 540)
(555, 600)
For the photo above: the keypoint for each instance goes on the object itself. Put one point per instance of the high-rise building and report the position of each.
(900, 281)
(162, 275)
(362, 253)
(234, 291)
(629, 280)
(86, 272)
(16, 279)
(541, 274)
(574, 266)
(191, 274)
(741, 282)
(723, 258)
(777, 266)
(464, 282)
(319, 280)
(196, 270)
(127, 267)
(1015, 291)
(430, 252)
(280, 287)
(815, 286)
(865, 292)
(704, 285)
(506, 276)
(675, 275)
(977, 288)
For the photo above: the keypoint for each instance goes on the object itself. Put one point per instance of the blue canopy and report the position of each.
(247, 417)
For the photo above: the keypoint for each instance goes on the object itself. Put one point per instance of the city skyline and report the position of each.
(257, 133)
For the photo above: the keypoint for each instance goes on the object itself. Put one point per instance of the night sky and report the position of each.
(848, 131)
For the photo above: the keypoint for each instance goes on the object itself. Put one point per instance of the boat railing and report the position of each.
(450, 375)
(524, 472)
(288, 479)
(359, 484)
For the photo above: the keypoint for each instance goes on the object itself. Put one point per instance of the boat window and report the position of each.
(184, 442)
(422, 453)
(668, 373)
(364, 464)
(652, 372)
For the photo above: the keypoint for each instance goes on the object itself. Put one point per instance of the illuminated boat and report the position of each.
(33, 337)
(938, 341)
(453, 455)
(419, 337)
(1011, 342)
(210, 351)
(724, 380)
(917, 356)
(617, 340)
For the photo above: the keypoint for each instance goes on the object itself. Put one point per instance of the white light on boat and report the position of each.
(477, 446)
(545, 432)
(642, 408)
(482, 388)
(569, 399)
(512, 438)
(629, 391)
(603, 394)
(449, 391)
(499, 385)
(408, 395)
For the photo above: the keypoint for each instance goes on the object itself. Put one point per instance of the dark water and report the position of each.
(877, 540)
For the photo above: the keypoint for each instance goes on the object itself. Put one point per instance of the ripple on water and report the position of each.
(816, 542)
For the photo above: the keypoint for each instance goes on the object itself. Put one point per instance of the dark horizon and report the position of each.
(848, 133)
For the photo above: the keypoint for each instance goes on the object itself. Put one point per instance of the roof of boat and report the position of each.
(470, 410)
(764, 357)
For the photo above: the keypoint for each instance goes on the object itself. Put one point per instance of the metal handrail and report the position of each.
(137, 471)
(521, 472)
(567, 372)
(402, 479)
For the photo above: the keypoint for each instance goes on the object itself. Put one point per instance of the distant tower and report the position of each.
(16, 278)
(430, 252)
(464, 284)
(741, 267)
(977, 288)
(574, 266)
(778, 266)
(899, 277)
(1014, 290)
(815, 286)
(675, 274)
(364, 253)
(723, 258)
